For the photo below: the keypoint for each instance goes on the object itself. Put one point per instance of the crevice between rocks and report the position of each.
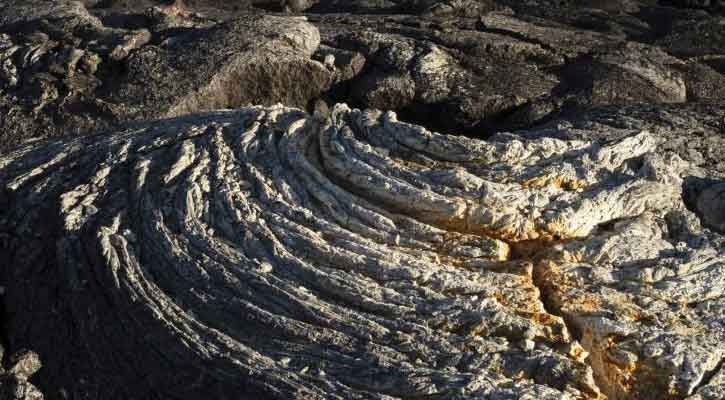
(610, 388)
(707, 378)
(540, 281)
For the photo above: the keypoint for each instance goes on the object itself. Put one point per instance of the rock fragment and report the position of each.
(711, 205)
(14, 383)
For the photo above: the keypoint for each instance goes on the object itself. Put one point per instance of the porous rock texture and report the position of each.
(237, 201)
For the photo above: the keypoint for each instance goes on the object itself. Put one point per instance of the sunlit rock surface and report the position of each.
(267, 253)
(184, 237)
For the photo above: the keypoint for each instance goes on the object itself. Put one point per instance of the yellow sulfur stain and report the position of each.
(561, 182)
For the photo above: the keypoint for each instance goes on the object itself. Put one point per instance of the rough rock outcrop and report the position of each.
(499, 69)
(694, 131)
(269, 254)
(172, 241)
(487, 65)
(61, 78)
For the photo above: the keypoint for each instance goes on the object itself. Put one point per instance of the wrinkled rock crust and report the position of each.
(379, 259)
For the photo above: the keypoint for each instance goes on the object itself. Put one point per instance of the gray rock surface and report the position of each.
(55, 82)
(487, 65)
(167, 230)
(379, 259)
(694, 131)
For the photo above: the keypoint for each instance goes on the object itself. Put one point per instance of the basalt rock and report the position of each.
(472, 77)
(159, 247)
(56, 80)
(266, 253)
(486, 65)
(497, 69)
(694, 131)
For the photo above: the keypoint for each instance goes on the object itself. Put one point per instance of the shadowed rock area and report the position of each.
(70, 68)
(91, 75)
(362, 200)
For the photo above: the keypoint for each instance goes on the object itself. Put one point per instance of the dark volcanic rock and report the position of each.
(711, 206)
(503, 71)
(704, 4)
(485, 65)
(262, 60)
(695, 131)
(698, 39)
(70, 80)
(156, 246)
(426, 76)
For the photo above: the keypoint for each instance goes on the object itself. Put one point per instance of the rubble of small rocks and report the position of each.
(454, 199)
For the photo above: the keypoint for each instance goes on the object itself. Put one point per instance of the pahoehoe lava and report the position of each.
(266, 252)
(400, 199)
